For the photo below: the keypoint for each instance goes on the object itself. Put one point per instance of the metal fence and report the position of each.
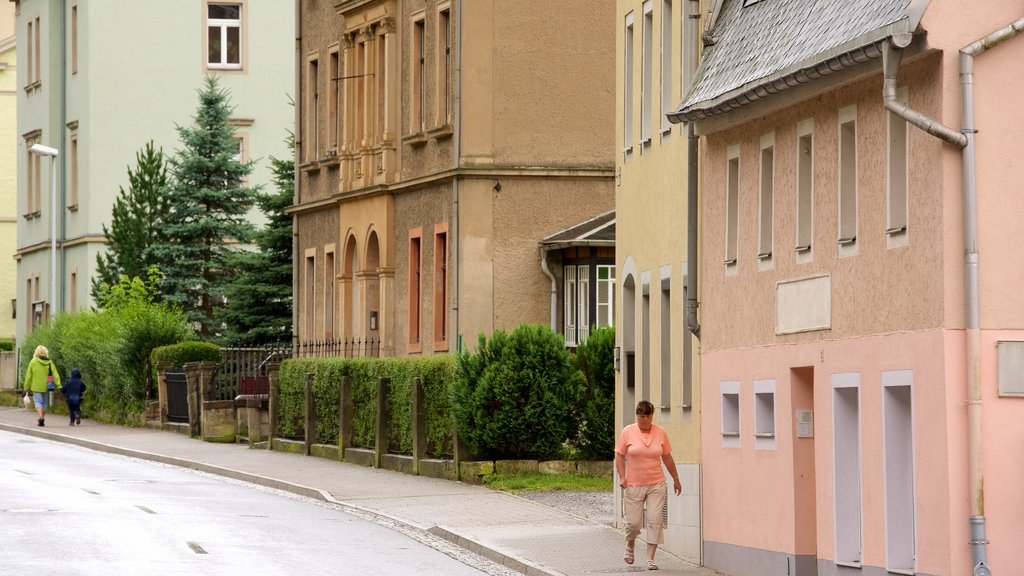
(244, 371)
(346, 348)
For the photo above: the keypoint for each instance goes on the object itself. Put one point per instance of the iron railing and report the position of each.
(346, 348)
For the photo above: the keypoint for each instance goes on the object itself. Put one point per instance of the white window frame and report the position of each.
(666, 66)
(627, 83)
(847, 172)
(731, 426)
(804, 189)
(647, 78)
(766, 198)
(732, 199)
(764, 415)
(605, 296)
(225, 24)
(897, 177)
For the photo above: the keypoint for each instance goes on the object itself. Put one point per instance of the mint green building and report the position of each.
(96, 82)
(8, 173)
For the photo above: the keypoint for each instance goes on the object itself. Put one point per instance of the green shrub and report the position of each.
(6, 345)
(595, 359)
(177, 355)
(518, 396)
(436, 374)
(111, 348)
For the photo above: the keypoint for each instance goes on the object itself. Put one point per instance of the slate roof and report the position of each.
(597, 231)
(772, 45)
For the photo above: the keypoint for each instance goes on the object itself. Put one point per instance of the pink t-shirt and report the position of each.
(643, 454)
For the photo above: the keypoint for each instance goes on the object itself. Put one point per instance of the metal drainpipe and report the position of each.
(62, 162)
(974, 412)
(297, 152)
(453, 240)
(554, 288)
(692, 303)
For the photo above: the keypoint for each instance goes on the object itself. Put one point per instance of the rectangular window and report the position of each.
(729, 392)
(309, 294)
(645, 341)
(73, 169)
(444, 65)
(74, 39)
(419, 63)
(605, 296)
(766, 197)
(441, 287)
(764, 414)
(732, 197)
(897, 177)
(666, 64)
(333, 100)
(31, 54)
(848, 176)
(73, 291)
(224, 36)
(804, 185)
(570, 291)
(415, 287)
(583, 319)
(847, 466)
(627, 82)
(666, 341)
(329, 282)
(380, 91)
(312, 109)
(647, 81)
(898, 443)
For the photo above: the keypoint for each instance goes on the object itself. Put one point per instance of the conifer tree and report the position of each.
(259, 299)
(208, 212)
(135, 222)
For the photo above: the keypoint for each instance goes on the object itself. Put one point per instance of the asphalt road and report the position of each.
(70, 511)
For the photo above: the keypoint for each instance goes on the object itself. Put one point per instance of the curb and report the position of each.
(422, 535)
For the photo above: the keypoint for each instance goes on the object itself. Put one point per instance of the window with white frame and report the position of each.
(804, 185)
(896, 220)
(766, 197)
(764, 414)
(444, 66)
(571, 315)
(666, 65)
(647, 73)
(848, 176)
(729, 396)
(224, 36)
(627, 83)
(732, 198)
(665, 323)
(605, 296)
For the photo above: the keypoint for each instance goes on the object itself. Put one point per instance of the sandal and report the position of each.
(628, 555)
(651, 565)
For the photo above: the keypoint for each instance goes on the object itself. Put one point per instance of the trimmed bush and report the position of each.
(518, 396)
(596, 361)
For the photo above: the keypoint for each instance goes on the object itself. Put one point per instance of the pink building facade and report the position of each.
(862, 342)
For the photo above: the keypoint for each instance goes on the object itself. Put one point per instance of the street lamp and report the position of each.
(40, 150)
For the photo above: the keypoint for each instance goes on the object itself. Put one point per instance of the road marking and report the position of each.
(196, 548)
(144, 509)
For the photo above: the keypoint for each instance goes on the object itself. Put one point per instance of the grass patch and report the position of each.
(537, 482)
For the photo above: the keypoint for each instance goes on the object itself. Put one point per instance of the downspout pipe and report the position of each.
(297, 150)
(965, 140)
(692, 285)
(976, 478)
(455, 244)
(554, 288)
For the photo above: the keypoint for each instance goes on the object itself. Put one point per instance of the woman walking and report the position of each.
(41, 377)
(639, 453)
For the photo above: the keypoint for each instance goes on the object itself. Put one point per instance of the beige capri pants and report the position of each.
(634, 498)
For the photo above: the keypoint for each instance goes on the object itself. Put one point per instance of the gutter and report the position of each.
(965, 140)
(554, 286)
(454, 243)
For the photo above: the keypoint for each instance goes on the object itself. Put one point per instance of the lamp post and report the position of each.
(41, 150)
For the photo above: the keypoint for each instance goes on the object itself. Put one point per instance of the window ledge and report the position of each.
(731, 434)
(441, 346)
(764, 255)
(729, 262)
(440, 132)
(764, 435)
(849, 564)
(845, 241)
(33, 86)
(310, 167)
(330, 159)
(895, 231)
(804, 248)
(73, 207)
(415, 140)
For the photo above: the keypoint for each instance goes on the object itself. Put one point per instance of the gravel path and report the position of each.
(595, 506)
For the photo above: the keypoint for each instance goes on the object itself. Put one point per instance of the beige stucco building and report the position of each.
(438, 146)
(8, 173)
(99, 81)
(862, 332)
(656, 45)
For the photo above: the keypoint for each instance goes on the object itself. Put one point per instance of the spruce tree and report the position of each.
(135, 222)
(259, 306)
(208, 212)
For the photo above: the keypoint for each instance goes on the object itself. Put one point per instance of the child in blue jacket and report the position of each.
(73, 391)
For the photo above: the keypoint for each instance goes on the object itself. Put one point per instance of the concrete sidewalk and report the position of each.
(525, 536)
